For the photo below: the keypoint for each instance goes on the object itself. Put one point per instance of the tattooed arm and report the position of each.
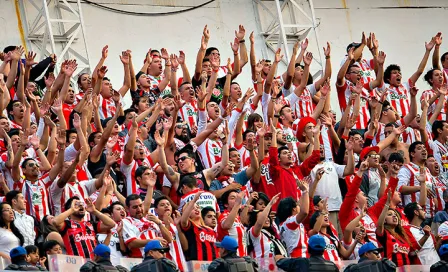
(212, 173)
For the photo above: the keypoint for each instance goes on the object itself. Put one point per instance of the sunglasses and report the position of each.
(181, 126)
(32, 164)
(375, 252)
(374, 156)
(182, 158)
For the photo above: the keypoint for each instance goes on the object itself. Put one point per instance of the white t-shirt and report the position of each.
(8, 241)
(114, 245)
(427, 254)
(328, 185)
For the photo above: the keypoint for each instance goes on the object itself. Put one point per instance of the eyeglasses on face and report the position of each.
(374, 156)
(182, 158)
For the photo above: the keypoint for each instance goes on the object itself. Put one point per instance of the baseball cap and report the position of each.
(228, 243)
(355, 45)
(155, 245)
(17, 251)
(317, 242)
(443, 250)
(102, 250)
(367, 150)
(367, 247)
(316, 200)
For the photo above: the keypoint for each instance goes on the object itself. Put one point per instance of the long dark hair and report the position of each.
(14, 229)
(45, 228)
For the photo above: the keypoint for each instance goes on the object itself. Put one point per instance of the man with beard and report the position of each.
(79, 235)
(423, 242)
(139, 227)
(413, 176)
(328, 187)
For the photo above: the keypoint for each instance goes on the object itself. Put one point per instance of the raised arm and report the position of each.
(340, 79)
(98, 149)
(435, 54)
(308, 58)
(253, 58)
(378, 82)
(167, 72)
(125, 59)
(288, 75)
(264, 215)
(15, 58)
(230, 219)
(382, 217)
(104, 54)
(172, 176)
(201, 53)
(188, 209)
(236, 59)
(186, 77)
(128, 156)
(272, 72)
(254, 165)
(421, 67)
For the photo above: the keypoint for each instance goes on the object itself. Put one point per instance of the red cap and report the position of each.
(301, 127)
(367, 150)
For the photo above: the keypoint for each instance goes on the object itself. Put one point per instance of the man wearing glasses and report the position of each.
(370, 259)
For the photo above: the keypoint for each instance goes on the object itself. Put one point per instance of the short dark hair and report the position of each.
(355, 132)
(409, 210)
(92, 136)
(130, 198)
(10, 105)
(31, 249)
(413, 146)
(438, 124)
(247, 131)
(233, 149)
(186, 149)
(206, 210)
(70, 131)
(385, 105)
(68, 204)
(26, 161)
(281, 148)
(12, 195)
(184, 83)
(157, 200)
(391, 124)
(225, 196)
(209, 50)
(115, 203)
(352, 66)
(140, 170)
(261, 196)
(14, 132)
(396, 157)
(388, 71)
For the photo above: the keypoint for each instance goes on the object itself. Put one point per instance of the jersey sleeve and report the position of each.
(129, 232)
(90, 186)
(403, 178)
(340, 170)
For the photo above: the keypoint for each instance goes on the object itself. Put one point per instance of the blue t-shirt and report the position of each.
(240, 177)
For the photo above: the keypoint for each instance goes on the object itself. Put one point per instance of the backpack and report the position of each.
(245, 264)
(279, 246)
(95, 267)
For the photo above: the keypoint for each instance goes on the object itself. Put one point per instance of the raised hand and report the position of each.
(327, 50)
(316, 129)
(89, 206)
(35, 141)
(422, 175)
(112, 157)
(124, 57)
(259, 66)
(112, 141)
(319, 173)
(252, 38)
(381, 58)
(148, 58)
(49, 80)
(102, 72)
(29, 59)
(295, 49)
(152, 178)
(164, 54)
(229, 66)
(275, 199)
(430, 45)
(308, 58)
(167, 123)
(304, 44)
(369, 42)
(61, 137)
(375, 43)
(363, 38)
(357, 88)
(174, 61)
(351, 53)
(326, 120)
(105, 52)
(262, 131)
(48, 122)
(235, 46)
(206, 33)
(364, 166)
(438, 39)
(278, 56)
(326, 88)
(160, 139)
(181, 58)
(399, 130)
(250, 144)
(241, 33)
(17, 53)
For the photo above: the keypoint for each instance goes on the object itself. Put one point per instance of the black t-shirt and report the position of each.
(217, 92)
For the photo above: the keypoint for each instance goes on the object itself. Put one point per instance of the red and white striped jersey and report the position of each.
(331, 249)
(369, 226)
(407, 176)
(399, 97)
(155, 81)
(80, 189)
(14, 125)
(429, 94)
(129, 173)
(36, 195)
(176, 254)
(207, 199)
(380, 133)
(304, 106)
(142, 229)
(355, 254)
(294, 236)
(107, 107)
(291, 138)
(344, 94)
(440, 186)
(263, 247)
(210, 152)
(237, 231)
(95, 195)
(189, 113)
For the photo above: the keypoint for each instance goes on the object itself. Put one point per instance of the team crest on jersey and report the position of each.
(190, 112)
(291, 139)
(396, 96)
(216, 151)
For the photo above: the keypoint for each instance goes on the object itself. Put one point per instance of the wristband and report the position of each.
(327, 57)
(217, 70)
(242, 41)
(276, 115)
(235, 54)
(344, 137)
(36, 148)
(305, 192)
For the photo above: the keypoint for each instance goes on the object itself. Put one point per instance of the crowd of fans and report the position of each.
(198, 169)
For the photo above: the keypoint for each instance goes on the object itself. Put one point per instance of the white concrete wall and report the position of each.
(402, 27)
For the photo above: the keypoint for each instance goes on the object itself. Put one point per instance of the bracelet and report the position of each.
(235, 54)
(229, 73)
(174, 69)
(305, 192)
(276, 115)
(37, 148)
(217, 70)
(169, 64)
(242, 41)
(327, 57)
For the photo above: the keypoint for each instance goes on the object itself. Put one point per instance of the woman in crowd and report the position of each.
(10, 236)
